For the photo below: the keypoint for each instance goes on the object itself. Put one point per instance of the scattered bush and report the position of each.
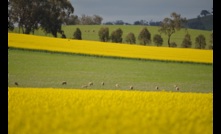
(187, 43)
(104, 34)
(144, 36)
(77, 34)
(130, 38)
(200, 42)
(116, 36)
(158, 40)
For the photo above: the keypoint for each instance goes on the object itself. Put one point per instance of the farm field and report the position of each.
(40, 103)
(62, 111)
(41, 69)
(90, 32)
(109, 49)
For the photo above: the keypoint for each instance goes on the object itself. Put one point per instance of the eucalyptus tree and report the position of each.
(170, 25)
(30, 14)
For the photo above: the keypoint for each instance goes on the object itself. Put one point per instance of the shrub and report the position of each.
(104, 34)
(130, 38)
(77, 34)
(200, 42)
(116, 36)
(158, 40)
(187, 43)
(144, 36)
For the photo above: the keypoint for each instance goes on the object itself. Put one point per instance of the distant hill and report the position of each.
(201, 23)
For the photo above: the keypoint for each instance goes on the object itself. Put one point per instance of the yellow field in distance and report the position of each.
(109, 49)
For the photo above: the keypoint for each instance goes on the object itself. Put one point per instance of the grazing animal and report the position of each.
(16, 83)
(84, 86)
(116, 85)
(64, 83)
(177, 88)
(102, 83)
(90, 83)
(131, 87)
(156, 87)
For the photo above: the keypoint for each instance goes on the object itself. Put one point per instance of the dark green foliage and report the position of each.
(187, 43)
(77, 34)
(104, 34)
(72, 20)
(173, 44)
(130, 38)
(116, 36)
(200, 42)
(204, 13)
(144, 36)
(62, 34)
(158, 40)
(50, 15)
(202, 23)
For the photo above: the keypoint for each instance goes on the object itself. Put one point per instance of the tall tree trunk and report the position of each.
(168, 40)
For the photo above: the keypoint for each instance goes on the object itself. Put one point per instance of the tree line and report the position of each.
(144, 38)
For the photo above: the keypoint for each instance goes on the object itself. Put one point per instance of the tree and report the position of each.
(141, 22)
(97, 19)
(25, 13)
(49, 14)
(10, 21)
(170, 25)
(204, 13)
(55, 12)
(144, 36)
(77, 34)
(116, 36)
(72, 20)
(104, 34)
(90, 20)
(158, 40)
(130, 38)
(186, 41)
(119, 22)
(200, 42)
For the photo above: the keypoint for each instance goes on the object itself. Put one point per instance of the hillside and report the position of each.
(202, 23)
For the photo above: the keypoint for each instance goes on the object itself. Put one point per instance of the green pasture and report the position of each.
(44, 69)
(90, 32)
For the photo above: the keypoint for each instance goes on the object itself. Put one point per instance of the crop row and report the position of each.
(109, 49)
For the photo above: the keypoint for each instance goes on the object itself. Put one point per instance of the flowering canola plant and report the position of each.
(66, 111)
(109, 49)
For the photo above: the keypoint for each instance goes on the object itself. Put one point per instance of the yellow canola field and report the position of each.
(75, 111)
(109, 49)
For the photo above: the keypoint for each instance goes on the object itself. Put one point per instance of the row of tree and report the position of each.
(144, 37)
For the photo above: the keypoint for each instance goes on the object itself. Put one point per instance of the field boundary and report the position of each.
(105, 56)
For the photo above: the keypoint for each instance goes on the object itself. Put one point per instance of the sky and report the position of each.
(133, 10)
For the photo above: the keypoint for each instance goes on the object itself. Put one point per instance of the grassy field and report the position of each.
(60, 111)
(90, 32)
(40, 69)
